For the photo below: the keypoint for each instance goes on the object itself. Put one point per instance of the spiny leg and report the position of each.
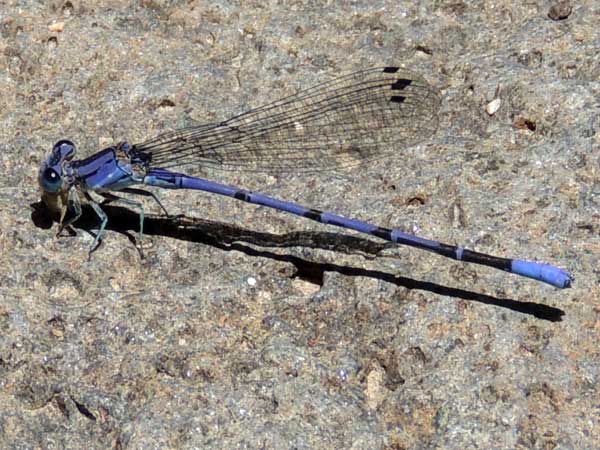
(103, 221)
(72, 199)
(136, 191)
(114, 198)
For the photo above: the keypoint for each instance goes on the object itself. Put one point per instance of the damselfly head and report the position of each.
(51, 172)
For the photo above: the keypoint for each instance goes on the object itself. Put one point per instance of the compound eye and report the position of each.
(50, 180)
(65, 148)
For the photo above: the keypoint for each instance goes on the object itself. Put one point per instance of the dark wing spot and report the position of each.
(401, 83)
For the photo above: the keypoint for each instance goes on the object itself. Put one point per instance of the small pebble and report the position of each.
(492, 107)
(560, 10)
(57, 27)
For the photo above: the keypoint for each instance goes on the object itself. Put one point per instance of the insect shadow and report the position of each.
(229, 237)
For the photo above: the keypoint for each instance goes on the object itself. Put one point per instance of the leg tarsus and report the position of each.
(72, 200)
(95, 246)
(103, 221)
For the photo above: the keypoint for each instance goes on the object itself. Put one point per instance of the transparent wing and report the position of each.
(352, 118)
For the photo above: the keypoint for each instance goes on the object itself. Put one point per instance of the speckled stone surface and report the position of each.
(248, 328)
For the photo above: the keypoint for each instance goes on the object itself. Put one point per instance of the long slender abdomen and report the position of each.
(539, 271)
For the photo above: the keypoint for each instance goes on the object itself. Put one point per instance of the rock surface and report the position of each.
(248, 328)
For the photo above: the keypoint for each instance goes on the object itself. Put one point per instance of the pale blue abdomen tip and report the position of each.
(542, 272)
